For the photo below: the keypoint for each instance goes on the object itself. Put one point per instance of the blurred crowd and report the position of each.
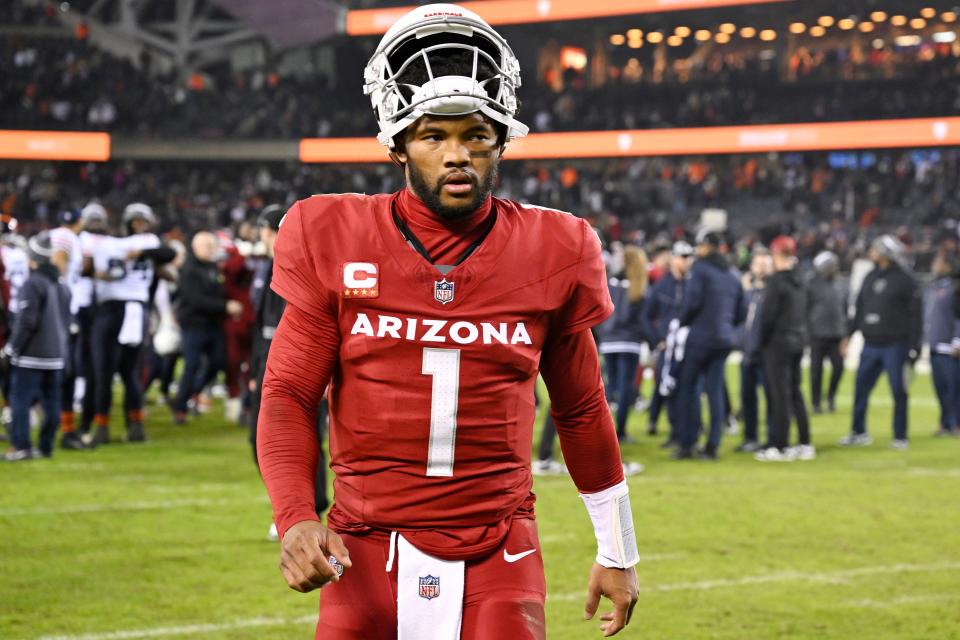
(832, 200)
(112, 291)
(67, 83)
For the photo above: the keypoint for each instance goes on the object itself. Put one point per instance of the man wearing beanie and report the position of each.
(783, 337)
(36, 352)
(890, 316)
(268, 308)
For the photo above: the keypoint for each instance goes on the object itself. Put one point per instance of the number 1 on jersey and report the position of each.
(444, 366)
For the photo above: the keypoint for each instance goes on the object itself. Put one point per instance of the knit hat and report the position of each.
(682, 249)
(890, 248)
(271, 217)
(39, 248)
(93, 211)
(709, 236)
(70, 216)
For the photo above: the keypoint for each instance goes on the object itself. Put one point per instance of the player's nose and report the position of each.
(456, 154)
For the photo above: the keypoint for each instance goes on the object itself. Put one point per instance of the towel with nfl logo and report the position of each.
(429, 595)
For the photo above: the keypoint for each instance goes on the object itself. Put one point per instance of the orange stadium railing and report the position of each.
(823, 136)
(365, 22)
(54, 145)
(873, 134)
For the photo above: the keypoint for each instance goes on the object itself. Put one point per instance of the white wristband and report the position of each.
(613, 525)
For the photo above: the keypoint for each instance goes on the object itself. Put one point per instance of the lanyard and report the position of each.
(410, 237)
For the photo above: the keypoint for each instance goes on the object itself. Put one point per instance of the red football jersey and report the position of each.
(432, 403)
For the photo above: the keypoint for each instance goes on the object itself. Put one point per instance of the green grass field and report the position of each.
(168, 540)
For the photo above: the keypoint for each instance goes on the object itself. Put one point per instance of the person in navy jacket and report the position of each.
(751, 367)
(621, 335)
(712, 308)
(940, 332)
(663, 305)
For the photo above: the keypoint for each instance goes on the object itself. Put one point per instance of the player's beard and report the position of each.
(431, 194)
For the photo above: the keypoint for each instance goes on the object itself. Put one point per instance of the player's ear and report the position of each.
(398, 158)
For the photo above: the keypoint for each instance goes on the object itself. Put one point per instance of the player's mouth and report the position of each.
(458, 184)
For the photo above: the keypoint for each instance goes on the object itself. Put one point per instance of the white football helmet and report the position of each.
(419, 38)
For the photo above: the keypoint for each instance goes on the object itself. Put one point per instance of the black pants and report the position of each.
(204, 355)
(548, 437)
(820, 349)
(320, 480)
(84, 366)
(112, 357)
(782, 368)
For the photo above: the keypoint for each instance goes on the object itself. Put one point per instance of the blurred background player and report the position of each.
(943, 339)
(125, 269)
(68, 258)
(752, 374)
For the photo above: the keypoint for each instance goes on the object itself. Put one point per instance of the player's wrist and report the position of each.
(613, 526)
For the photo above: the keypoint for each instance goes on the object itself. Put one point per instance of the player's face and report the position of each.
(451, 162)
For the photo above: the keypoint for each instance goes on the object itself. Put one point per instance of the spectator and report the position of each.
(202, 308)
(712, 307)
(662, 307)
(783, 336)
(752, 373)
(622, 337)
(889, 315)
(826, 320)
(943, 338)
(36, 352)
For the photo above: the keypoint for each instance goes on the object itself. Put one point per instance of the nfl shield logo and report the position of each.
(443, 291)
(429, 587)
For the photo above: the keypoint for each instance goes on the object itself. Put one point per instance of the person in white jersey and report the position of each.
(94, 233)
(68, 258)
(125, 269)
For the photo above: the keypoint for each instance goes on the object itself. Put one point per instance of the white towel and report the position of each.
(429, 595)
(131, 331)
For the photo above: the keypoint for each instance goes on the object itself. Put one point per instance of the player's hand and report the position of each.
(304, 556)
(621, 587)
(843, 347)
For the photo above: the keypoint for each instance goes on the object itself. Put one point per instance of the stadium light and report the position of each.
(768, 35)
(878, 43)
(674, 41)
(949, 16)
(866, 27)
(898, 20)
(654, 37)
(635, 34)
(878, 16)
(817, 31)
(728, 28)
(797, 28)
(944, 37)
(722, 38)
(907, 41)
(703, 35)
(826, 21)
(683, 32)
(918, 23)
(635, 44)
(846, 24)
(748, 32)
(617, 39)
(366, 22)
(928, 12)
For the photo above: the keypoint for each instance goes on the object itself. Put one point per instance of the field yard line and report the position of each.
(187, 630)
(827, 577)
(122, 506)
(902, 600)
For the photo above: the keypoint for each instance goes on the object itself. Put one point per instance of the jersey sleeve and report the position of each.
(295, 276)
(589, 301)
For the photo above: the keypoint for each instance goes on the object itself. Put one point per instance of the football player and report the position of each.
(430, 312)
(125, 270)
